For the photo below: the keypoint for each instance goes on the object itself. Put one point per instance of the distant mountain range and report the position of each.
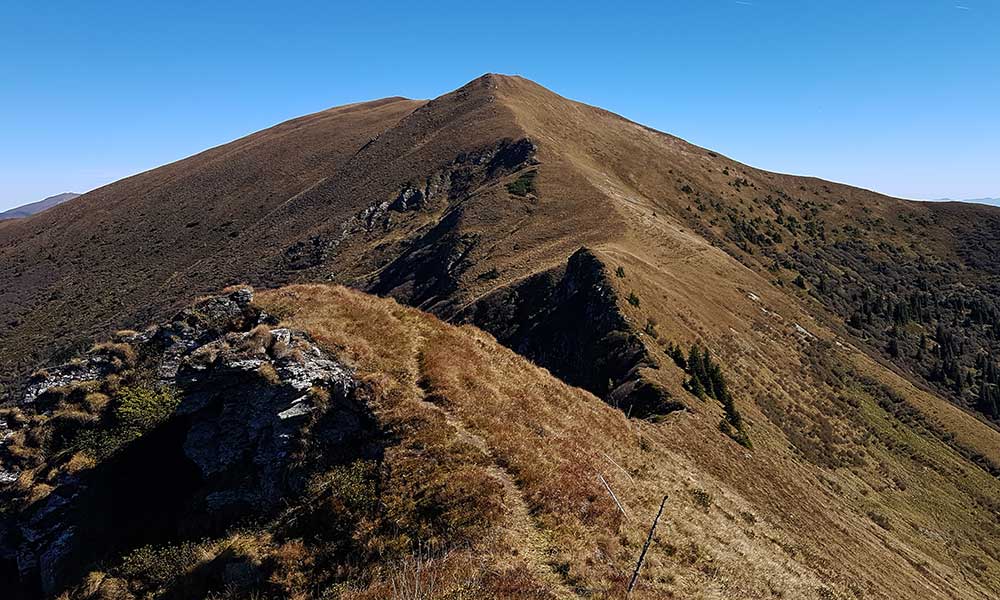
(991, 201)
(36, 207)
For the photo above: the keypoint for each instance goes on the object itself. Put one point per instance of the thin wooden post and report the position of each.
(649, 540)
(612, 461)
(613, 497)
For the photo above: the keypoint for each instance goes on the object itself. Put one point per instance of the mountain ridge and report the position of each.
(797, 343)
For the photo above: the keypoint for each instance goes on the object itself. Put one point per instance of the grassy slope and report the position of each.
(738, 522)
(115, 257)
(551, 442)
(778, 350)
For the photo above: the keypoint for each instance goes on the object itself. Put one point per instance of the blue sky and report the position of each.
(898, 96)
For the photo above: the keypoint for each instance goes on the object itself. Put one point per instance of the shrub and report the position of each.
(650, 328)
(137, 409)
(620, 271)
(702, 498)
(695, 386)
(633, 299)
(706, 379)
(880, 520)
(355, 485)
(737, 434)
(491, 274)
(675, 353)
(142, 408)
(157, 566)
(523, 185)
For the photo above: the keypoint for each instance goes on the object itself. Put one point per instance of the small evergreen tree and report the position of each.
(695, 386)
(677, 355)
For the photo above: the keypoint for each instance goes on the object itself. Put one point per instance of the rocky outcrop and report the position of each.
(428, 273)
(260, 407)
(423, 214)
(568, 321)
(429, 266)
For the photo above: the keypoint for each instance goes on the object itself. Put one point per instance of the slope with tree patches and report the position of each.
(487, 480)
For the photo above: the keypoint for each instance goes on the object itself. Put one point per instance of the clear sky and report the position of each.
(898, 96)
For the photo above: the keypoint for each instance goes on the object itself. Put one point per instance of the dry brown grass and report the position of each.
(292, 561)
(80, 461)
(123, 355)
(96, 402)
(267, 372)
(545, 443)
(258, 339)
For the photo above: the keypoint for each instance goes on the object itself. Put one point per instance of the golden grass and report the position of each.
(122, 354)
(544, 443)
(267, 372)
(492, 482)
(737, 525)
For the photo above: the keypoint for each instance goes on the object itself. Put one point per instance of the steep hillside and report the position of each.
(108, 259)
(361, 449)
(27, 210)
(795, 359)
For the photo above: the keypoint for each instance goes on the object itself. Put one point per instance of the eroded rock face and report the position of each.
(260, 407)
(427, 269)
(540, 318)
(247, 406)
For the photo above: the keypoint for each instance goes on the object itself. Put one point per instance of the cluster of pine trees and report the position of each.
(911, 307)
(964, 325)
(989, 387)
(705, 379)
(947, 369)
(920, 307)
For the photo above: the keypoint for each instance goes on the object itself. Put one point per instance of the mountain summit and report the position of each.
(808, 370)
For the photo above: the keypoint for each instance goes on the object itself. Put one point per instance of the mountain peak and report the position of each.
(502, 84)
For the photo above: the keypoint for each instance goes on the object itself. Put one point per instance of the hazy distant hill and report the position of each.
(36, 207)
(990, 201)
